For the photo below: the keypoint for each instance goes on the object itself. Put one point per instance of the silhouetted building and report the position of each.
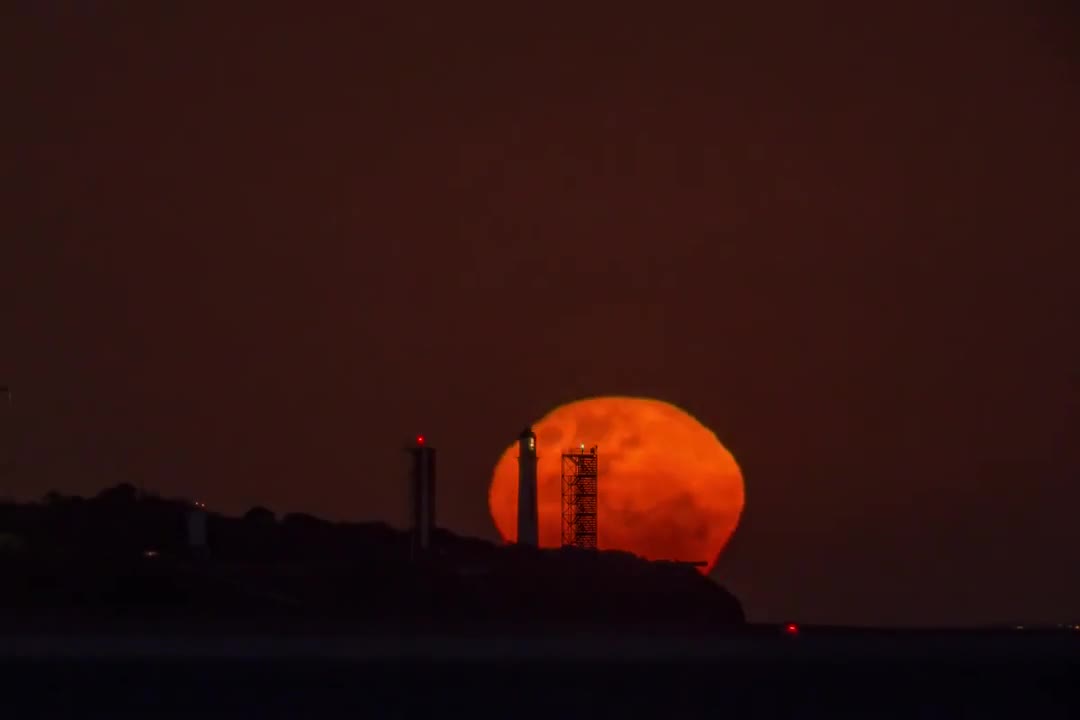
(196, 527)
(528, 514)
(579, 487)
(421, 495)
(7, 431)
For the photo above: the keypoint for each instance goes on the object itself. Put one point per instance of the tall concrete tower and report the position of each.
(528, 517)
(421, 496)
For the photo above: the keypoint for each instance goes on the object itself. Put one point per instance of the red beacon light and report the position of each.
(419, 439)
(791, 629)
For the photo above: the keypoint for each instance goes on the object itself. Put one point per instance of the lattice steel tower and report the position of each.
(579, 472)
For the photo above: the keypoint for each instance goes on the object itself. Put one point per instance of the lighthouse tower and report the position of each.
(527, 526)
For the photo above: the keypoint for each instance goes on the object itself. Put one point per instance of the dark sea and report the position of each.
(551, 678)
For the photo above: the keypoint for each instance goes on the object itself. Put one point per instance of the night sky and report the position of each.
(247, 253)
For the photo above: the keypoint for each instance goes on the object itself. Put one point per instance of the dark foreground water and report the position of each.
(856, 679)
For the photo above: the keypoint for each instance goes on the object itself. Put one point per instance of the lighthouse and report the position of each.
(527, 530)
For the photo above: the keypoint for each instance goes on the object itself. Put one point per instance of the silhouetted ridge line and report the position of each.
(123, 552)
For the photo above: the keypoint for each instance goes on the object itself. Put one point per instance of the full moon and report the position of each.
(667, 488)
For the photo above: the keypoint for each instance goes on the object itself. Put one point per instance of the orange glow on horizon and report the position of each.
(668, 489)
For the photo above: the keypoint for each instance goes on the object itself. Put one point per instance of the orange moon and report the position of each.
(667, 487)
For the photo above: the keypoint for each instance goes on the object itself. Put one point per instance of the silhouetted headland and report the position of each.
(119, 555)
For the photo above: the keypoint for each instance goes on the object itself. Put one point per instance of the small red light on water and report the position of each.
(792, 629)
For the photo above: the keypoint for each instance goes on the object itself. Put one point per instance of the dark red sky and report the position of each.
(248, 253)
